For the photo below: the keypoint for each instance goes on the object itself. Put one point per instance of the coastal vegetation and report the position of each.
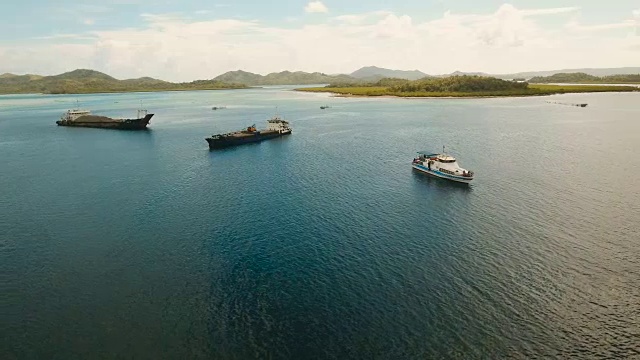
(459, 86)
(582, 78)
(89, 81)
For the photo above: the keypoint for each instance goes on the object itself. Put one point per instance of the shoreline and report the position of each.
(124, 92)
(535, 92)
(429, 97)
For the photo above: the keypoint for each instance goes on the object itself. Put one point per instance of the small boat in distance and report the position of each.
(218, 107)
(276, 127)
(441, 165)
(83, 118)
(568, 104)
(324, 107)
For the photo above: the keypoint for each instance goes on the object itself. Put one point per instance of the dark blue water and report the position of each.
(323, 244)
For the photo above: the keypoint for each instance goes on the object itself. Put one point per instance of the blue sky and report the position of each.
(129, 38)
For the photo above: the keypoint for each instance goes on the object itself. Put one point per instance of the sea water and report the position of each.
(324, 243)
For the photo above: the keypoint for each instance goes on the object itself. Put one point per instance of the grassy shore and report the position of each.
(532, 90)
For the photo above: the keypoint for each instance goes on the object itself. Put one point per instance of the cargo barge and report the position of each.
(276, 127)
(84, 118)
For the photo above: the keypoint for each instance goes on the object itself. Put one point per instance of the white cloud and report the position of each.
(65, 36)
(550, 11)
(357, 19)
(88, 21)
(162, 18)
(316, 7)
(601, 27)
(176, 48)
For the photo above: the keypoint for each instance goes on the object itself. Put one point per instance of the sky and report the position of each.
(197, 39)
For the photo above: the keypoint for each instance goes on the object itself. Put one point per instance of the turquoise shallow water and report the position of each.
(323, 244)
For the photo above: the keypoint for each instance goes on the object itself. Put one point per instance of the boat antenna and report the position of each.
(442, 149)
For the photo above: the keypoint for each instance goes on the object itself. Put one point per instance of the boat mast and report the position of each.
(141, 111)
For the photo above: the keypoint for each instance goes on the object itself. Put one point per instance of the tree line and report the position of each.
(451, 84)
(582, 78)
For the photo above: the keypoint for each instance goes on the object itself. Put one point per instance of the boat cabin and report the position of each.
(72, 115)
(443, 163)
(277, 124)
(445, 159)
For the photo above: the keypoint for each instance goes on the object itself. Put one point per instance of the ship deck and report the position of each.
(257, 133)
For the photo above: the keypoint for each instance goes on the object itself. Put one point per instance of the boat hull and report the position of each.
(108, 123)
(231, 141)
(436, 173)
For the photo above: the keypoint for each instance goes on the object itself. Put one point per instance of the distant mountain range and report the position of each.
(582, 78)
(374, 73)
(593, 72)
(530, 74)
(365, 74)
(91, 81)
(281, 78)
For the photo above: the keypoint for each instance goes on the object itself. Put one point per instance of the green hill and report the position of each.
(450, 84)
(240, 77)
(282, 78)
(384, 82)
(374, 73)
(582, 78)
(463, 84)
(90, 81)
(82, 74)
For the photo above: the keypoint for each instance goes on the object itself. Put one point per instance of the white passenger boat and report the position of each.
(441, 165)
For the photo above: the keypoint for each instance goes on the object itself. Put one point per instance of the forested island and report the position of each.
(83, 81)
(459, 86)
(582, 78)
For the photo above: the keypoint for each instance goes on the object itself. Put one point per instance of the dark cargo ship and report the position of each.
(83, 118)
(276, 127)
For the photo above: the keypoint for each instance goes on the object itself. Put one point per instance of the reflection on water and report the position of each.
(322, 243)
